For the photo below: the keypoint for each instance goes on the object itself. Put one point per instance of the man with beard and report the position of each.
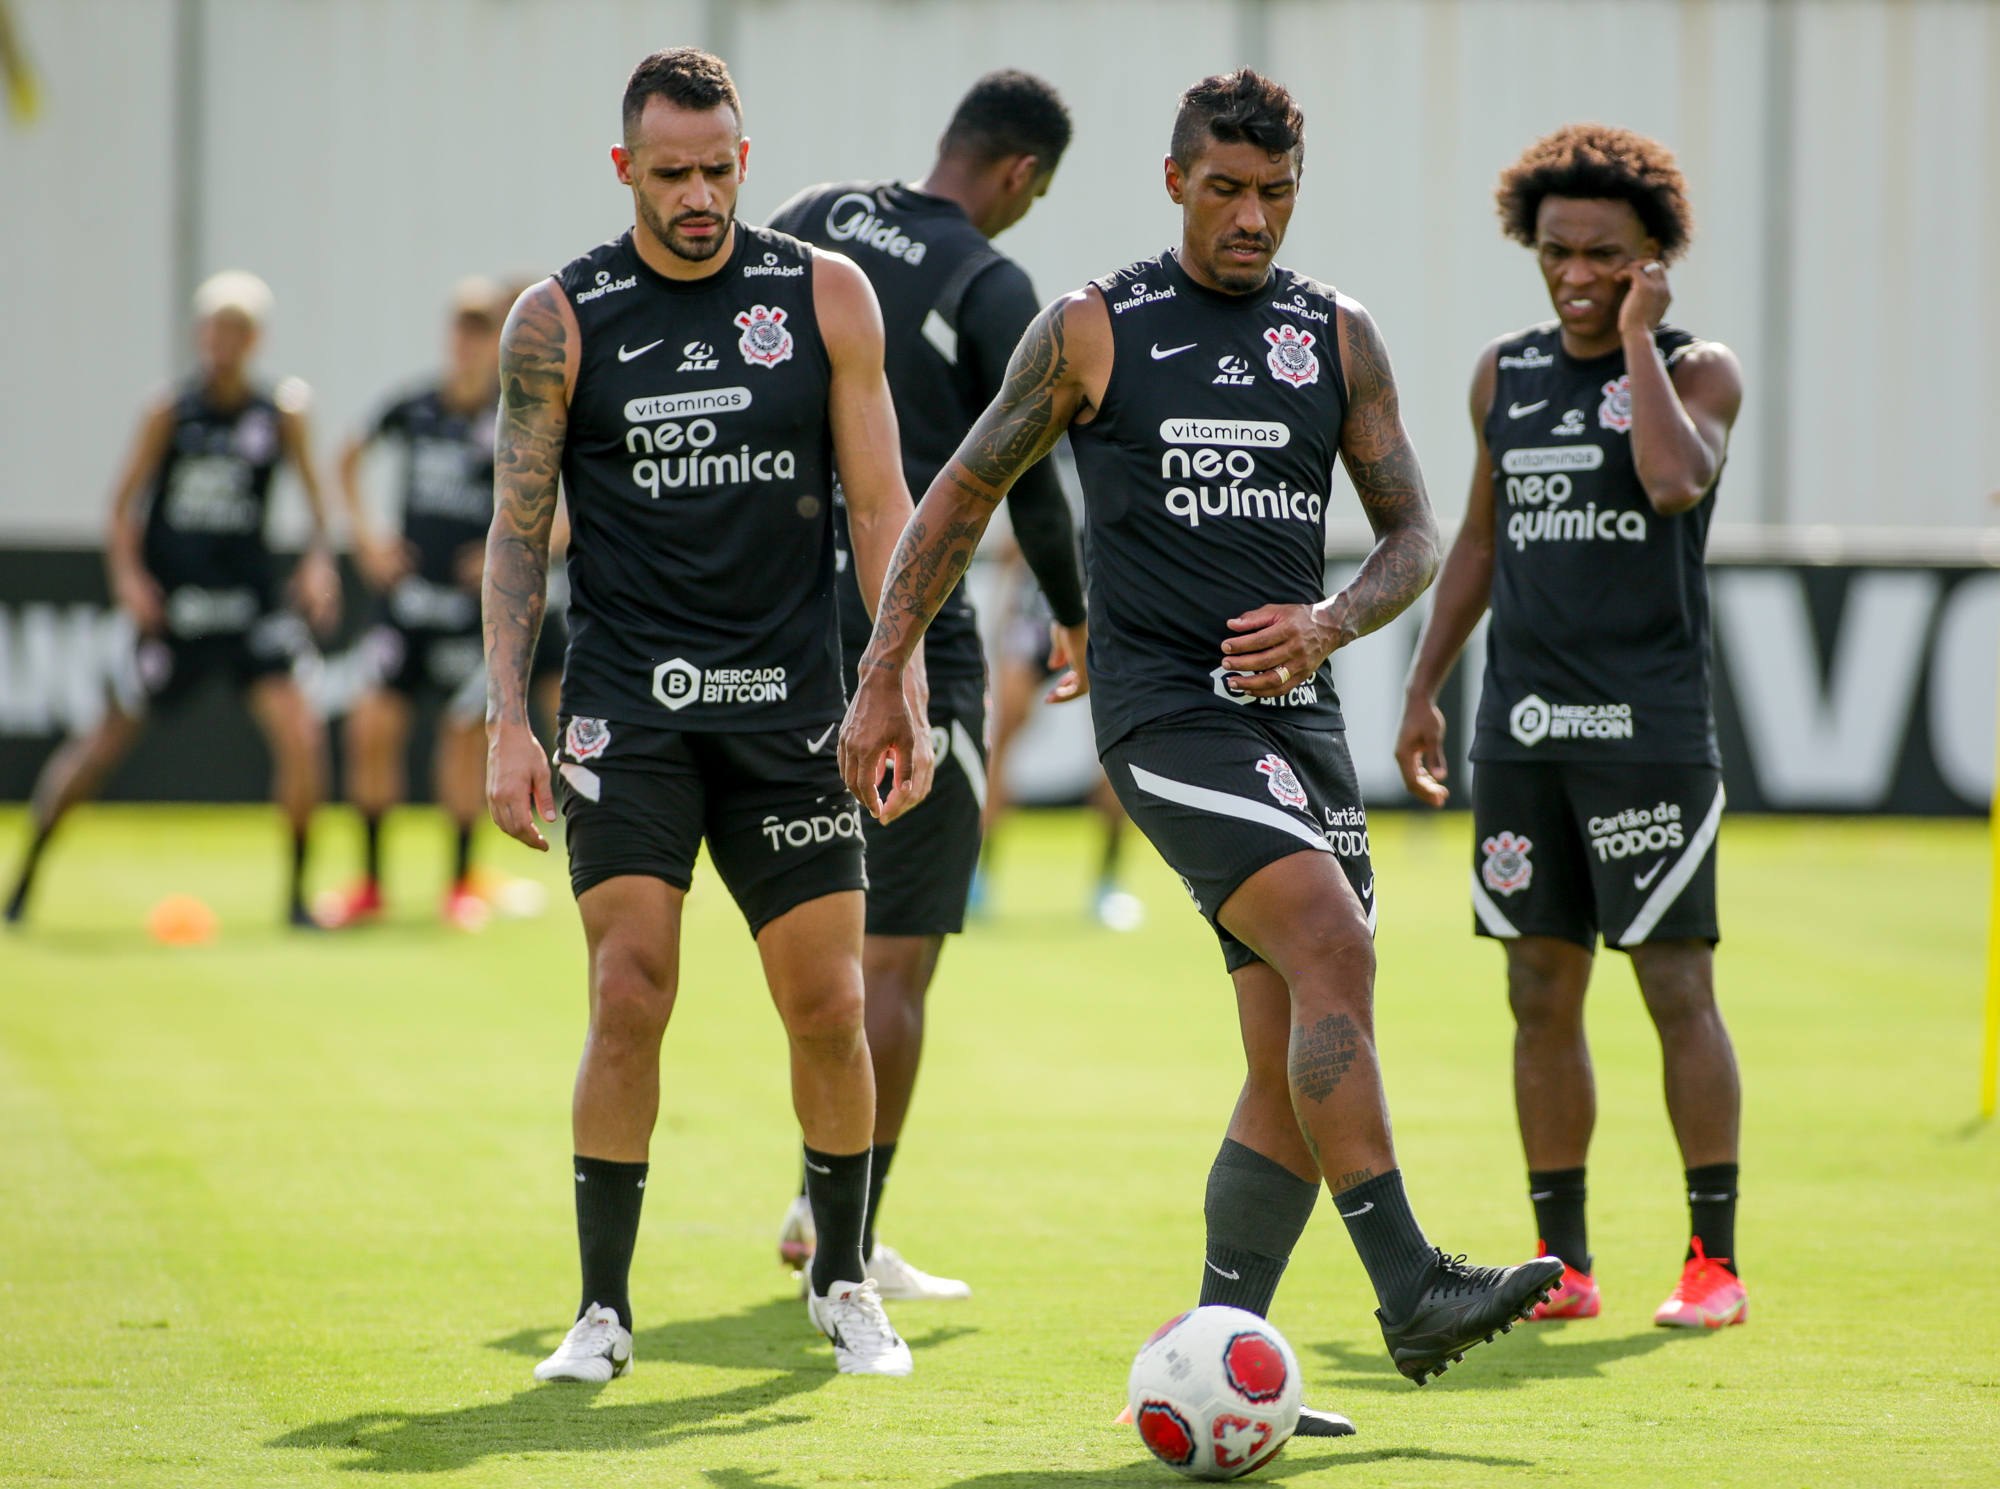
(690, 386)
(1207, 394)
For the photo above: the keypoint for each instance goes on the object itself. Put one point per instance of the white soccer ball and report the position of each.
(1215, 1393)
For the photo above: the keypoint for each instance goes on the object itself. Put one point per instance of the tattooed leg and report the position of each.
(1308, 1023)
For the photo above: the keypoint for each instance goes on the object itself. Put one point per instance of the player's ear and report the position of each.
(621, 161)
(1176, 183)
(742, 158)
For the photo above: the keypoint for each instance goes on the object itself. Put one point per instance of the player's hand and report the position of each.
(1420, 752)
(316, 589)
(1068, 647)
(1279, 647)
(139, 594)
(884, 732)
(1647, 296)
(518, 789)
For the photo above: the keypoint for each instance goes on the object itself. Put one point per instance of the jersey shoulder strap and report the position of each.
(950, 299)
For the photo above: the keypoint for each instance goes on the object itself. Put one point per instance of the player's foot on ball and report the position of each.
(864, 1341)
(1457, 1306)
(596, 1349)
(796, 1236)
(1708, 1296)
(1316, 1423)
(1575, 1296)
(339, 910)
(901, 1282)
(465, 908)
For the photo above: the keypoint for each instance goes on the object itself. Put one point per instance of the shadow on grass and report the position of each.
(1144, 1473)
(1504, 1365)
(565, 1418)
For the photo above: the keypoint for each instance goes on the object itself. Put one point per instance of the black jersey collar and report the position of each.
(1189, 285)
(708, 282)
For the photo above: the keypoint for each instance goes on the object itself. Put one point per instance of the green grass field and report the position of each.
(286, 1208)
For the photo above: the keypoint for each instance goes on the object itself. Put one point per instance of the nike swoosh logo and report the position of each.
(1545, 1194)
(1172, 351)
(816, 1168)
(1640, 882)
(1522, 410)
(580, 1179)
(1232, 1276)
(625, 356)
(1352, 1214)
(813, 745)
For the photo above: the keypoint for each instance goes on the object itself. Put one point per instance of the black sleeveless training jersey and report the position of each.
(699, 472)
(1599, 643)
(921, 253)
(1205, 476)
(447, 477)
(205, 521)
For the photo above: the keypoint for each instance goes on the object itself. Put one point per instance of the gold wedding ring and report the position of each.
(1284, 674)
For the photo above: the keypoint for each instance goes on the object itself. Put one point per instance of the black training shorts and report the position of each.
(781, 828)
(1572, 850)
(920, 866)
(1222, 795)
(167, 671)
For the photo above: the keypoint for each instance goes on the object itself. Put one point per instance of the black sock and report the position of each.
(1712, 1211)
(1386, 1234)
(1256, 1210)
(1557, 1194)
(837, 1185)
(298, 868)
(18, 901)
(608, 1196)
(371, 849)
(878, 1175)
(461, 863)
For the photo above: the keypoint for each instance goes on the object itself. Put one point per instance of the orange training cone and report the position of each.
(181, 920)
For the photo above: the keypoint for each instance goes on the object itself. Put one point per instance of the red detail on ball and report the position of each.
(1166, 1432)
(1254, 1366)
(1239, 1441)
(1163, 1330)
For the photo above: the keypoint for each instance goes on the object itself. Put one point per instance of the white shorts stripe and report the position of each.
(1489, 913)
(966, 753)
(1676, 879)
(1225, 805)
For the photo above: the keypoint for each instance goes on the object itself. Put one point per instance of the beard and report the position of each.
(694, 250)
(1236, 278)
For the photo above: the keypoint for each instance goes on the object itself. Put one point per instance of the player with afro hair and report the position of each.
(1604, 163)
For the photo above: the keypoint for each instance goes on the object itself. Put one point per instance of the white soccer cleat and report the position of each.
(596, 1349)
(796, 1237)
(864, 1341)
(901, 1282)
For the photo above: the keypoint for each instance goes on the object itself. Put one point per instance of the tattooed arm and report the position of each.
(539, 353)
(1057, 376)
(1375, 448)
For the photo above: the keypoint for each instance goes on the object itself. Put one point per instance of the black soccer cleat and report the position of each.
(1322, 1424)
(1459, 1306)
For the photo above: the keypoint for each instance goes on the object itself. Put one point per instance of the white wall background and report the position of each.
(363, 154)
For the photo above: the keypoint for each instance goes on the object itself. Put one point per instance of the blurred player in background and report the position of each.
(1031, 652)
(188, 562)
(425, 646)
(1601, 436)
(1207, 394)
(689, 385)
(953, 309)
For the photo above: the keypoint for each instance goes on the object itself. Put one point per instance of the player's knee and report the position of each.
(832, 1017)
(632, 1001)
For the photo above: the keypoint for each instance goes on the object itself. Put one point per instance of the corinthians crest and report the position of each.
(765, 341)
(1506, 868)
(1284, 785)
(1291, 356)
(1616, 410)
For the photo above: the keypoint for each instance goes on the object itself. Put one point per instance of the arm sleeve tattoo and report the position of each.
(527, 468)
(1375, 448)
(1017, 429)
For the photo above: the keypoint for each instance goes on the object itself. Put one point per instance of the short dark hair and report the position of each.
(1009, 113)
(1241, 106)
(686, 77)
(1598, 162)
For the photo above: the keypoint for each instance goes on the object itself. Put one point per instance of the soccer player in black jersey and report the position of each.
(953, 310)
(691, 384)
(1207, 394)
(1601, 436)
(187, 561)
(425, 644)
